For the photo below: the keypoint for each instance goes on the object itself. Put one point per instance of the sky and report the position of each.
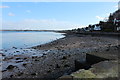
(53, 15)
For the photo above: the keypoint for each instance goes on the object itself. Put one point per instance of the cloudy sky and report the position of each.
(53, 15)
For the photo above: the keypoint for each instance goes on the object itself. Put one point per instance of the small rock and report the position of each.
(44, 54)
(17, 51)
(69, 55)
(66, 65)
(25, 58)
(3, 55)
(35, 48)
(24, 50)
(34, 56)
(64, 57)
(36, 60)
(96, 51)
(48, 71)
(4, 70)
(57, 66)
(18, 58)
(10, 67)
(14, 47)
(20, 74)
(107, 49)
(24, 64)
(11, 76)
(34, 74)
(58, 48)
(19, 61)
(5, 50)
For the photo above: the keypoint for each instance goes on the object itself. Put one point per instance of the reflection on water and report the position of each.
(26, 39)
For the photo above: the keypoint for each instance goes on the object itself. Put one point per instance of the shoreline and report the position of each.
(60, 44)
(57, 56)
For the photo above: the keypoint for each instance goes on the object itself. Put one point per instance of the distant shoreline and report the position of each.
(33, 30)
(93, 33)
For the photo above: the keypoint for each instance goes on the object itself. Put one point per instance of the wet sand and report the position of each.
(53, 59)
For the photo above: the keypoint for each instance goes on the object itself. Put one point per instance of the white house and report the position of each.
(118, 28)
(97, 28)
(116, 22)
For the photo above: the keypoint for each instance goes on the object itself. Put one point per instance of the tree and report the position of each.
(111, 18)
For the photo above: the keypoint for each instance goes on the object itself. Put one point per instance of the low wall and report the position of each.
(100, 33)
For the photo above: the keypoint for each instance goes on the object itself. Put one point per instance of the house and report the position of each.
(97, 28)
(118, 28)
(117, 23)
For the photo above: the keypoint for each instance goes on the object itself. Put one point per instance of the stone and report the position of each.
(4, 70)
(18, 58)
(36, 60)
(5, 50)
(14, 47)
(25, 58)
(34, 56)
(64, 57)
(84, 74)
(44, 54)
(48, 71)
(57, 66)
(34, 74)
(20, 74)
(24, 64)
(10, 67)
(66, 65)
(17, 51)
(11, 76)
(19, 61)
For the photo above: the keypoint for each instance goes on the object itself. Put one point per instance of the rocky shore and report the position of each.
(57, 58)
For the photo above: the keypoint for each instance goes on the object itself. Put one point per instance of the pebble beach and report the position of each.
(55, 59)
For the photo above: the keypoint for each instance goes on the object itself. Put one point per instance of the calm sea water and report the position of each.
(27, 39)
